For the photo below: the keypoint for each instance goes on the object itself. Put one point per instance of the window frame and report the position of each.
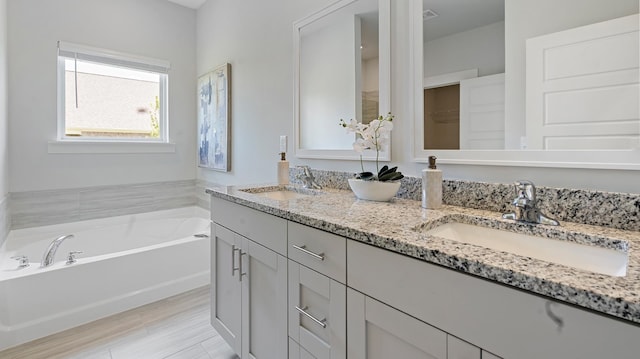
(68, 144)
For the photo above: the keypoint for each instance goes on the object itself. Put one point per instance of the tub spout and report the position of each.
(50, 253)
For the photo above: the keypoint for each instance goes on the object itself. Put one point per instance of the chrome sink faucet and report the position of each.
(307, 178)
(526, 209)
(50, 253)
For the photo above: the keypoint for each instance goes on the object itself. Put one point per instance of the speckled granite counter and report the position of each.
(398, 226)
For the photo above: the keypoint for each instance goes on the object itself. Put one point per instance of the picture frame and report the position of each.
(214, 119)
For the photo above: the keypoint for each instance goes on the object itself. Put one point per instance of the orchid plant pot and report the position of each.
(383, 185)
(374, 190)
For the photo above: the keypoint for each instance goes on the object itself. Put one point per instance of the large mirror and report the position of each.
(341, 71)
(549, 83)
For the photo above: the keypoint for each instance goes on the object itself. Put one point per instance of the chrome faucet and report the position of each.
(50, 253)
(526, 206)
(308, 181)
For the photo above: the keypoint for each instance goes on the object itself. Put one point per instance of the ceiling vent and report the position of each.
(429, 14)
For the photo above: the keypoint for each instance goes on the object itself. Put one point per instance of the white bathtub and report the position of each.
(127, 261)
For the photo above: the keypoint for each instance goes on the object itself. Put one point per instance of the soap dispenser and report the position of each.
(283, 169)
(432, 186)
(283, 164)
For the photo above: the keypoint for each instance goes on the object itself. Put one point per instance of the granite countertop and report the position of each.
(398, 226)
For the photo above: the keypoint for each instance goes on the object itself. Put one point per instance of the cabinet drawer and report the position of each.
(321, 251)
(296, 352)
(317, 312)
(267, 230)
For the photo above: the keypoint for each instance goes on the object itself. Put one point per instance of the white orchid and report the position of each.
(374, 135)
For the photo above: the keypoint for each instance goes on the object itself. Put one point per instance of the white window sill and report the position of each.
(66, 146)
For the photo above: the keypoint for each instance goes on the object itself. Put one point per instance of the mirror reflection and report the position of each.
(338, 74)
(542, 75)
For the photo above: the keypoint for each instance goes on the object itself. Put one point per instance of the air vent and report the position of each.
(429, 14)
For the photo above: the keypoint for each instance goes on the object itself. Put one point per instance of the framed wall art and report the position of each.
(214, 119)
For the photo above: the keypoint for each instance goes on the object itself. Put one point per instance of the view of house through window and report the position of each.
(110, 101)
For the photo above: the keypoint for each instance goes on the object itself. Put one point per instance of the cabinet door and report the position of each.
(264, 302)
(459, 349)
(376, 330)
(487, 355)
(226, 289)
(296, 352)
(317, 315)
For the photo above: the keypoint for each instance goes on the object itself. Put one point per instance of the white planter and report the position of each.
(374, 190)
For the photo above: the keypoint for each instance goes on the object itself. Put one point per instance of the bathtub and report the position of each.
(127, 261)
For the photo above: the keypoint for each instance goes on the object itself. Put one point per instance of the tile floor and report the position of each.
(173, 328)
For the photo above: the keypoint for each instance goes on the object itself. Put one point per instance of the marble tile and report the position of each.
(202, 198)
(38, 208)
(5, 219)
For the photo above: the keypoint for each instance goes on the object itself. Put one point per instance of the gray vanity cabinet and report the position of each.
(249, 281)
(496, 318)
(378, 331)
(317, 293)
(226, 294)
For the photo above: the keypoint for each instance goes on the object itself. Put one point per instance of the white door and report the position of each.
(317, 317)
(264, 302)
(482, 113)
(226, 289)
(582, 87)
(378, 331)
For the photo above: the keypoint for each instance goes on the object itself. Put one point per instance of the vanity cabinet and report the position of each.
(499, 320)
(378, 331)
(317, 293)
(281, 289)
(317, 313)
(249, 282)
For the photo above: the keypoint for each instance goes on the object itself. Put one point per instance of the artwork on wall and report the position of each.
(214, 120)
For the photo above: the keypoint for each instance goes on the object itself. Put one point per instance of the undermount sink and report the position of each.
(281, 193)
(581, 256)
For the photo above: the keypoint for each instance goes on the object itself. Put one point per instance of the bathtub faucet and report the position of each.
(50, 253)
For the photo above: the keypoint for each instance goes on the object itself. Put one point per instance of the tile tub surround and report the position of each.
(5, 219)
(39, 208)
(392, 226)
(608, 209)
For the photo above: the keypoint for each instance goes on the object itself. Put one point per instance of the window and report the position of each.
(106, 96)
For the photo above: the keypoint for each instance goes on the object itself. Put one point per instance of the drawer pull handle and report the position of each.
(233, 260)
(320, 322)
(240, 265)
(304, 249)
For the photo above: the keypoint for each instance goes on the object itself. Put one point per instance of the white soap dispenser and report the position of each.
(432, 186)
(283, 164)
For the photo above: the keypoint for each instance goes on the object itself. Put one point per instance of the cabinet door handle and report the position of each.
(320, 322)
(304, 250)
(240, 265)
(233, 260)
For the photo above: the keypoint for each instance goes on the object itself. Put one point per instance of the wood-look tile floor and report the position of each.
(174, 328)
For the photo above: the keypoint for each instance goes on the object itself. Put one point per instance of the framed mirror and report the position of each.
(341, 71)
(560, 91)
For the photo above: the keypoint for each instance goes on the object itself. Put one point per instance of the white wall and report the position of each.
(255, 37)
(481, 48)
(551, 17)
(4, 125)
(151, 28)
